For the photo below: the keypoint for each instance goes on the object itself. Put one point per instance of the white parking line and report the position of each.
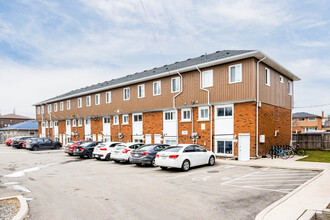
(288, 174)
(272, 185)
(245, 176)
(283, 180)
(257, 188)
(277, 177)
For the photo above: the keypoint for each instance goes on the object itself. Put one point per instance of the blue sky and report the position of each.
(49, 47)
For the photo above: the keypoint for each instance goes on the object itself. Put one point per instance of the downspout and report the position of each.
(50, 119)
(181, 90)
(257, 109)
(292, 106)
(192, 123)
(208, 102)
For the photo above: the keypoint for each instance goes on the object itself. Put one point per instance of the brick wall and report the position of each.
(96, 127)
(39, 129)
(153, 124)
(125, 129)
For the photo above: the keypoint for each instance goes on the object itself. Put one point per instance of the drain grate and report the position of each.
(213, 171)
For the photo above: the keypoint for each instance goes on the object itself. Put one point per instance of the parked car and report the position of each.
(184, 156)
(85, 149)
(8, 142)
(103, 150)
(147, 154)
(18, 142)
(69, 147)
(14, 140)
(42, 143)
(121, 152)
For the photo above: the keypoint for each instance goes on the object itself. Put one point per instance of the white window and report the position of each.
(137, 117)
(157, 88)
(141, 93)
(185, 115)
(311, 119)
(55, 107)
(175, 84)
(42, 109)
(49, 108)
(46, 124)
(74, 122)
(126, 93)
(207, 78)
(51, 124)
(68, 105)
(55, 123)
(235, 73)
(224, 112)
(203, 113)
(38, 110)
(169, 116)
(88, 100)
(125, 120)
(108, 97)
(106, 120)
(289, 87)
(79, 102)
(281, 79)
(224, 147)
(61, 106)
(68, 122)
(97, 99)
(267, 77)
(87, 121)
(79, 122)
(116, 120)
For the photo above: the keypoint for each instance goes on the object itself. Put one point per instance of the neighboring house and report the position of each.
(11, 119)
(209, 100)
(26, 128)
(303, 122)
(326, 123)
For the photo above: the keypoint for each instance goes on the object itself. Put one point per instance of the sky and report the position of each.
(51, 47)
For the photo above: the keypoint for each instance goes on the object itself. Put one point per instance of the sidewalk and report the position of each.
(314, 194)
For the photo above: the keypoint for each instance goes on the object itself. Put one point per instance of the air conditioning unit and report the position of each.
(120, 135)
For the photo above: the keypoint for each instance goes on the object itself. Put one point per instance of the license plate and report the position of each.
(136, 155)
(163, 157)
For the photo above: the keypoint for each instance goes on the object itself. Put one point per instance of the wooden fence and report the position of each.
(312, 141)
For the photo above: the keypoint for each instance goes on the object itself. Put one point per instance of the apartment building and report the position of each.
(233, 102)
(303, 122)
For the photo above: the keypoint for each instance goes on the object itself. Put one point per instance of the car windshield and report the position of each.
(101, 145)
(120, 146)
(70, 143)
(147, 147)
(85, 144)
(173, 149)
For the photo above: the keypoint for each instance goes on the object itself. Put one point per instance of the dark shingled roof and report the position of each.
(304, 115)
(14, 116)
(158, 70)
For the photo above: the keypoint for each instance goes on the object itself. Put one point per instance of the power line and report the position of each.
(313, 106)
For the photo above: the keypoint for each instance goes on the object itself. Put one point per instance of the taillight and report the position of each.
(132, 152)
(103, 148)
(15, 141)
(144, 153)
(173, 156)
(157, 155)
(82, 149)
(126, 150)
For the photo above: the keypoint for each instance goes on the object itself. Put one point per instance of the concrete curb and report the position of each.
(24, 208)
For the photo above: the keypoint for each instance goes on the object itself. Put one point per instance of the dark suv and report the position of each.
(18, 142)
(42, 143)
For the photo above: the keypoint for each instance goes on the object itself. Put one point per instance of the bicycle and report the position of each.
(296, 150)
(278, 151)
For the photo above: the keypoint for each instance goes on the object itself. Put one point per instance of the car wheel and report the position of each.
(70, 154)
(153, 162)
(117, 161)
(107, 158)
(129, 160)
(138, 164)
(56, 147)
(90, 156)
(185, 165)
(163, 168)
(35, 148)
(211, 161)
(82, 157)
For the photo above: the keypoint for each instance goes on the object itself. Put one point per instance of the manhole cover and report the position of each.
(213, 171)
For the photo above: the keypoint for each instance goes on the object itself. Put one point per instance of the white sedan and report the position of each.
(103, 150)
(122, 152)
(184, 156)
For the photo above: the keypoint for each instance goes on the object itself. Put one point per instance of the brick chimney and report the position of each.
(322, 114)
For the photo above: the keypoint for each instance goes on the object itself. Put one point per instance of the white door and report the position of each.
(170, 131)
(99, 137)
(88, 129)
(43, 129)
(68, 128)
(243, 147)
(157, 139)
(148, 139)
(56, 129)
(106, 129)
(94, 137)
(60, 138)
(64, 139)
(137, 126)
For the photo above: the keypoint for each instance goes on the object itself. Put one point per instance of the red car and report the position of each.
(71, 145)
(8, 142)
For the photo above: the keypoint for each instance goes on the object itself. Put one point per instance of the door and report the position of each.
(94, 137)
(43, 129)
(137, 127)
(68, 128)
(148, 139)
(56, 130)
(88, 129)
(106, 129)
(170, 127)
(190, 153)
(243, 147)
(157, 139)
(201, 155)
(99, 137)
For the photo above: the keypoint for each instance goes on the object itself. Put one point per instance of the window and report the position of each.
(311, 119)
(49, 108)
(125, 120)
(141, 93)
(310, 129)
(79, 122)
(61, 106)
(281, 79)
(171, 142)
(157, 88)
(224, 147)
(225, 111)
(207, 78)
(106, 120)
(87, 121)
(137, 117)
(79, 102)
(169, 116)
(301, 119)
(289, 87)
(126, 94)
(189, 149)
(203, 113)
(68, 122)
(235, 73)
(38, 110)
(88, 100)
(74, 122)
(51, 124)
(116, 120)
(55, 107)
(46, 124)
(175, 84)
(108, 97)
(42, 109)
(68, 105)
(267, 77)
(55, 123)
(97, 99)
(185, 115)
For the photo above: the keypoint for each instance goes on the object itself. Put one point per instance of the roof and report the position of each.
(26, 125)
(304, 115)
(14, 116)
(190, 64)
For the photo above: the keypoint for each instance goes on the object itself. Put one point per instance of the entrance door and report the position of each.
(170, 131)
(148, 139)
(106, 129)
(68, 129)
(243, 146)
(157, 138)
(56, 130)
(88, 135)
(137, 128)
(43, 129)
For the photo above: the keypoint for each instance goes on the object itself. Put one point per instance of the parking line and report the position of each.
(288, 174)
(283, 180)
(188, 174)
(257, 188)
(276, 185)
(245, 176)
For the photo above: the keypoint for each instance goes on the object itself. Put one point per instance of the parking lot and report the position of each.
(62, 187)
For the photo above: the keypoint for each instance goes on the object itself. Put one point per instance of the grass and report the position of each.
(317, 156)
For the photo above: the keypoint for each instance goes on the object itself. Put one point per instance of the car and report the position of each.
(103, 150)
(147, 154)
(14, 140)
(8, 142)
(42, 143)
(69, 147)
(85, 149)
(18, 142)
(184, 156)
(121, 152)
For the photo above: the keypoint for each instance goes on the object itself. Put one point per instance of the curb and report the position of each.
(24, 208)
